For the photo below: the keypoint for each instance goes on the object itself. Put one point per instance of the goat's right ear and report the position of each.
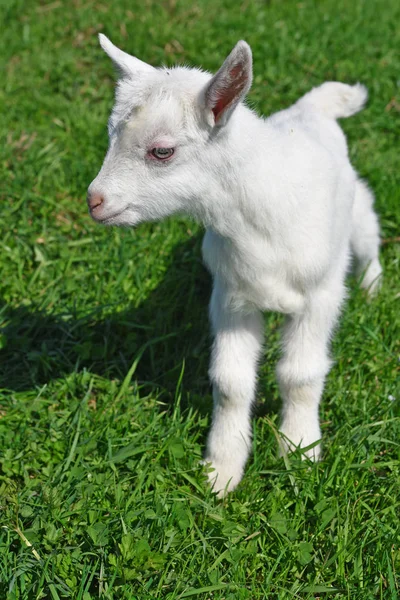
(230, 84)
(126, 64)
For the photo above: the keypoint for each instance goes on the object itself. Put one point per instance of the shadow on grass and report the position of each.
(173, 321)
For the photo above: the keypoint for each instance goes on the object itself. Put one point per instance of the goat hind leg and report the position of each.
(365, 238)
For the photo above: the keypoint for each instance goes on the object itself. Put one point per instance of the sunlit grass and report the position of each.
(104, 400)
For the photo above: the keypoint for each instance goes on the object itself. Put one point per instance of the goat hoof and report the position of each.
(221, 479)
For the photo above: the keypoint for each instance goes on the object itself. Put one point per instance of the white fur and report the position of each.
(282, 206)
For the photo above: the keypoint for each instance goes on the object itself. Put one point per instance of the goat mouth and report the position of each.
(107, 219)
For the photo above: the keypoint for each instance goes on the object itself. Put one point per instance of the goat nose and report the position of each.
(94, 200)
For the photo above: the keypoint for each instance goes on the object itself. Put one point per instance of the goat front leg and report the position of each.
(233, 372)
(305, 363)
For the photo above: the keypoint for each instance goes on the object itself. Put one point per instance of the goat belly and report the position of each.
(273, 293)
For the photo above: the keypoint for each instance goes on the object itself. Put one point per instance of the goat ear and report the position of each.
(126, 64)
(230, 84)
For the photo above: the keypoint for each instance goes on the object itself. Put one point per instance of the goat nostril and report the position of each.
(94, 200)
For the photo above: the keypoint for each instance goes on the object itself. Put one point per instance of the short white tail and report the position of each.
(336, 99)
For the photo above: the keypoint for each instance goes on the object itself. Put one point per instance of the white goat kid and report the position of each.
(283, 208)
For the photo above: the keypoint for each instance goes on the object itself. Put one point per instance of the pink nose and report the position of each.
(94, 201)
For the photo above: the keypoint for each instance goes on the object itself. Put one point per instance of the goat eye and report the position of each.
(162, 153)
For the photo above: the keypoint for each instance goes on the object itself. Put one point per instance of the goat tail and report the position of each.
(336, 99)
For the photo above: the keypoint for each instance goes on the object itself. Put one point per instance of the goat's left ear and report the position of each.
(127, 65)
(230, 84)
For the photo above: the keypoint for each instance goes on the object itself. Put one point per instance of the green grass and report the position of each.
(103, 370)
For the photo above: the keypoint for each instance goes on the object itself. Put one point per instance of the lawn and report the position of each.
(104, 398)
